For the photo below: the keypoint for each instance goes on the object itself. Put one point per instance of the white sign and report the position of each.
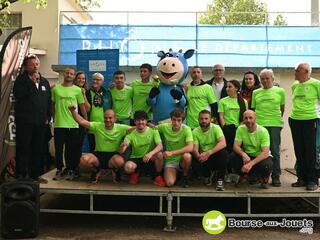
(97, 65)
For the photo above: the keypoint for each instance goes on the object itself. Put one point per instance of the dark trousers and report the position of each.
(69, 138)
(275, 141)
(29, 149)
(229, 131)
(217, 161)
(92, 142)
(262, 169)
(304, 142)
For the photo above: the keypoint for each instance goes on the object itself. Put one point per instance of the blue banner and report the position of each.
(234, 46)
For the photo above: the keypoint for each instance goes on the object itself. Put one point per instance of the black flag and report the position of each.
(13, 51)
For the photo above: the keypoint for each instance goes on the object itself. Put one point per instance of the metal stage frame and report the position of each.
(170, 200)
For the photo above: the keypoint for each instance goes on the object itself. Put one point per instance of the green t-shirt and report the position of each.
(108, 140)
(63, 97)
(207, 140)
(142, 143)
(198, 98)
(175, 140)
(266, 103)
(231, 109)
(253, 142)
(140, 93)
(122, 102)
(305, 99)
(96, 113)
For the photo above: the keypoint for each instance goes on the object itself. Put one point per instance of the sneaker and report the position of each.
(42, 180)
(220, 185)
(209, 180)
(276, 181)
(58, 175)
(71, 175)
(134, 178)
(227, 178)
(299, 183)
(116, 176)
(264, 183)
(184, 182)
(158, 180)
(93, 176)
(311, 186)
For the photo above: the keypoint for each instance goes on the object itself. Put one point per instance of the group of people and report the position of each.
(227, 128)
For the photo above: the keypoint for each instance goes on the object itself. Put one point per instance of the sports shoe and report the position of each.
(134, 178)
(227, 178)
(93, 176)
(208, 180)
(71, 175)
(276, 181)
(184, 182)
(58, 175)
(299, 183)
(264, 182)
(116, 176)
(311, 186)
(220, 185)
(158, 180)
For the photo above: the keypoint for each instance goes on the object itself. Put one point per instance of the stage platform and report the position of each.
(242, 201)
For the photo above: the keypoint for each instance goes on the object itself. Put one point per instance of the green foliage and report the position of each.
(5, 7)
(280, 21)
(237, 12)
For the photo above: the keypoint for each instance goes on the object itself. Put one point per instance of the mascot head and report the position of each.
(173, 67)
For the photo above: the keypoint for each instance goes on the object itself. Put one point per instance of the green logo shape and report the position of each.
(214, 222)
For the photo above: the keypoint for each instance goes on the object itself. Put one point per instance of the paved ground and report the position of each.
(64, 226)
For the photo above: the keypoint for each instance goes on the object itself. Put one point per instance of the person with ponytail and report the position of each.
(231, 111)
(268, 103)
(250, 83)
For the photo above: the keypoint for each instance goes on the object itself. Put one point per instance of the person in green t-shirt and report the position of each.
(231, 109)
(108, 137)
(199, 96)
(66, 129)
(268, 103)
(303, 119)
(140, 92)
(209, 149)
(179, 144)
(100, 100)
(122, 98)
(146, 149)
(251, 148)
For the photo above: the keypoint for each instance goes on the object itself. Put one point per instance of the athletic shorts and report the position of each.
(175, 165)
(142, 166)
(104, 158)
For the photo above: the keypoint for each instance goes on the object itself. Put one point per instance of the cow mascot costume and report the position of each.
(172, 69)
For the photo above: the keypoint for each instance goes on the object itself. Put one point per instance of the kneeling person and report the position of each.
(209, 148)
(179, 143)
(146, 148)
(108, 137)
(251, 146)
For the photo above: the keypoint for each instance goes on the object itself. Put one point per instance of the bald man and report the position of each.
(108, 137)
(251, 150)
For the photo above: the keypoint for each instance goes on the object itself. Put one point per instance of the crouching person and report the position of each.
(251, 148)
(146, 149)
(179, 144)
(209, 149)
(108, 136)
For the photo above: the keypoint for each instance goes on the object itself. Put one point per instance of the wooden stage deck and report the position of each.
(174, 201)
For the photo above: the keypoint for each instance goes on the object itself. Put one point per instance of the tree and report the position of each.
(5, 6)
(237, 12)
(280, 21)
